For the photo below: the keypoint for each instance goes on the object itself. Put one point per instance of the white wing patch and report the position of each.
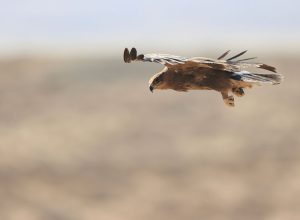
(164, 59)
(174, 60)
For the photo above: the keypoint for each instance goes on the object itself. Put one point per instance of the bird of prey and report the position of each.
(199, 73)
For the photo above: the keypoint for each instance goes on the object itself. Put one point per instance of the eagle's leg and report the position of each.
(228, 99)
(239, 92)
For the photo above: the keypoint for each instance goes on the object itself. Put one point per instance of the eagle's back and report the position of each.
(186, 78)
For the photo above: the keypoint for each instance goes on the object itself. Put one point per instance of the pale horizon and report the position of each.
(97, 27)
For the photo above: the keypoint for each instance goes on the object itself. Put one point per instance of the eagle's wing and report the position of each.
(165, 59)
(231, 64)
(171, 61)
(240, 64)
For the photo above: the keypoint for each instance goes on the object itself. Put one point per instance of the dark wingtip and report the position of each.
(224, 55)
(133, 54)
(267, 67)
(246, 59)
(238, 55)
(126, 56)
(140, 57)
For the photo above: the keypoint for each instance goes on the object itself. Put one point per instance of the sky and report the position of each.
(91, 26)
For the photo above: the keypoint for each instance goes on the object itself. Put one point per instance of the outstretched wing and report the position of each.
(165, 59)
(231, 64)
(171, 61)
(241, 64)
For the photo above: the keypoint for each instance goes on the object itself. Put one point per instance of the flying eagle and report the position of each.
(200, 73)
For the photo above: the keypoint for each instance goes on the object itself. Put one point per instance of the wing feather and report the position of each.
(224, 55)
(165, 59)
(238, 55)
(126, 56)
(133, 54)
(246, 59)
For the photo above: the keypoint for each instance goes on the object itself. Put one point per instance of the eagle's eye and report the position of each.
(157, 80)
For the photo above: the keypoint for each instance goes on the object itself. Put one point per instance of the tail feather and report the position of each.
(258, 78)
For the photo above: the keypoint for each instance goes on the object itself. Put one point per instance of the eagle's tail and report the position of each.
(258, 78)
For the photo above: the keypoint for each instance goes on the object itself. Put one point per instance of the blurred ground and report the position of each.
(84, 139)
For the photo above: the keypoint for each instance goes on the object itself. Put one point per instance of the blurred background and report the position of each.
(81, 136)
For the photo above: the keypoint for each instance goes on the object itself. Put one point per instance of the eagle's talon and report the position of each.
(239, 92)
(229, 101)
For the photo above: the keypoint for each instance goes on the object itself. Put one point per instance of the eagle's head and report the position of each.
(157, 81)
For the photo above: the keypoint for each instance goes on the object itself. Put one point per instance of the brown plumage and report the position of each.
(200, 73)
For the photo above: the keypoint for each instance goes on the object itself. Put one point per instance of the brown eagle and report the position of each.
(199, 73)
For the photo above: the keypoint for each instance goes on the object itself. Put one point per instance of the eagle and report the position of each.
(226, 76)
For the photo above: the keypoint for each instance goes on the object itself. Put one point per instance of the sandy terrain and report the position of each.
(84, 139)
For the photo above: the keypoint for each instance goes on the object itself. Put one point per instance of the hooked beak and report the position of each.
(151, 88)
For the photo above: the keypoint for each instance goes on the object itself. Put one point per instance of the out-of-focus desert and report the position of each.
(84, 139)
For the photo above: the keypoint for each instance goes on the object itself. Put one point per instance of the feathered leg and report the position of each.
(228, 99)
